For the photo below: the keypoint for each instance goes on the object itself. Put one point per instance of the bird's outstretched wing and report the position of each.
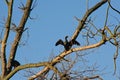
(75, 42)
(59, 42)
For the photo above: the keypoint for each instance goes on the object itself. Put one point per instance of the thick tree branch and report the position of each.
(47, 64)
(82, 22)
(19, 34)
(76, 33)
(5, 38)
(25, 67)
(65, 53)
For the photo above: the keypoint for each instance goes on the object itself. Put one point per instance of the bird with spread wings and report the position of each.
(67, 44)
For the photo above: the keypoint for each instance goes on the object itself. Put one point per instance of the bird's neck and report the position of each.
(66, 40)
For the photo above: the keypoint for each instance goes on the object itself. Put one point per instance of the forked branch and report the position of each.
(5, 38)
(76, 33)
(19, 34)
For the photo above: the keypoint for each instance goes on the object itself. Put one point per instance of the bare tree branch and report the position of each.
(113, 7)
(63, 54)
(106, 16)
(5, 38)
(82, 22)
(115, 57)
(86, 25)
(93, 77)
(76, 33)
(25, 67)
(19, 34)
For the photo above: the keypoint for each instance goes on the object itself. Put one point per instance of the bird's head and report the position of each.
(66, 37)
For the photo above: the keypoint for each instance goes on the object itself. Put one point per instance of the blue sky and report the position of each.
(54, 19)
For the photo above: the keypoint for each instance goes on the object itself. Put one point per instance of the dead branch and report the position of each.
(25, 67)
(63, 54)
(5, 38)
(76, 33)
(19, 34)
(93, 77)
(82, 22)
(113, 7)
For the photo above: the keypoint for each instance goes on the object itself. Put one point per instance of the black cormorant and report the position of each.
(15, 63)
(67, 44)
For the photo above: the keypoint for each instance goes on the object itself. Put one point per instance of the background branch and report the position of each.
(82, 22)
(5, 38)
(25, 67)
(19, 34)
(62, 55)
(113, 7)
(76, 33)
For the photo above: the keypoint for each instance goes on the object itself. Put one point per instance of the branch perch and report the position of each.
(5, 38)
(19, 34)
(76, 33)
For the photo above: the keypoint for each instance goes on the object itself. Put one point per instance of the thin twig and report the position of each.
(113, 7)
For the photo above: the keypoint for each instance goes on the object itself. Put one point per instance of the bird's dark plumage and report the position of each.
(75, 42)
(67, 44)
(59, 42)
(15, 63)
